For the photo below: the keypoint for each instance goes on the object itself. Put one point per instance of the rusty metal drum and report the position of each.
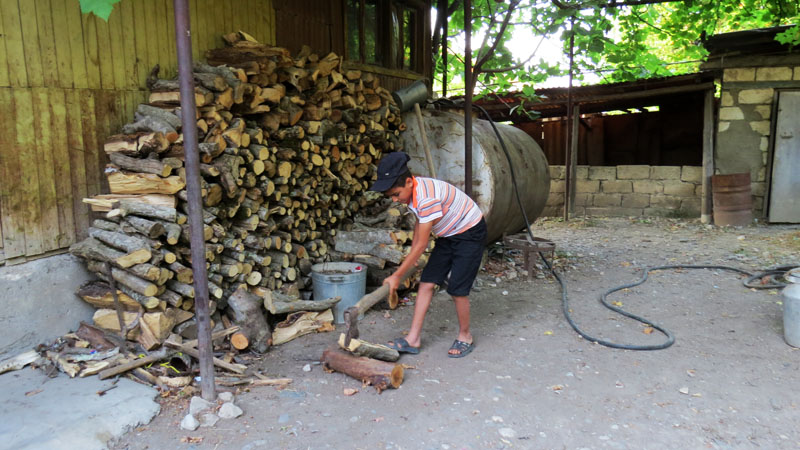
(492, 185)
(733, 201)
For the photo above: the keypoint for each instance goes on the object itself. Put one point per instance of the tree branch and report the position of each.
(612, 4)
(511, 7)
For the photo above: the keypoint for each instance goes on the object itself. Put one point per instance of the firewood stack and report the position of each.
(288, 148)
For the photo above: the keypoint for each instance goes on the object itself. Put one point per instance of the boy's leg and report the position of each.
(462, 311)
(423, 302)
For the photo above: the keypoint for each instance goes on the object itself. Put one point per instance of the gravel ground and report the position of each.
(532, 382)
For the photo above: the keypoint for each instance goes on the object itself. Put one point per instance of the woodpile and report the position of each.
(288, 148)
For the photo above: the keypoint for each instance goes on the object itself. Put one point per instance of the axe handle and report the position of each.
(369, 300)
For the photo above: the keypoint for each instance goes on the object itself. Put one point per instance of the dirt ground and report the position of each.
(729, 381)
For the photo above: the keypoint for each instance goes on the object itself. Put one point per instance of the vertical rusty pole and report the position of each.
(468, 97)
(442, 14)
(192, 162)
(568, 167)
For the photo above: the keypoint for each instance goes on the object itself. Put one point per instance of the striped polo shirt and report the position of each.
(432, 199)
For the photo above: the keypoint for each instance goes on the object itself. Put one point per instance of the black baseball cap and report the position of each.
(392, 165)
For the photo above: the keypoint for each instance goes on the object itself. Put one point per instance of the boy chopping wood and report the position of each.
(458, 224)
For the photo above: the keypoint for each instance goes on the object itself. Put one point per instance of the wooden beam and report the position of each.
(708, 156)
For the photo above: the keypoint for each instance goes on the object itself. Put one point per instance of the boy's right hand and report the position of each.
(393, 281)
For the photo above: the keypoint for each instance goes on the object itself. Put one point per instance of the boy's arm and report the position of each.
(422, 232)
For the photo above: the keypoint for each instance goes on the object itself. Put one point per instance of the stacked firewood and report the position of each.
(288, 148)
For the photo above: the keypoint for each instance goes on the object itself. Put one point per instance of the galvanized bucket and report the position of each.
(348, 280)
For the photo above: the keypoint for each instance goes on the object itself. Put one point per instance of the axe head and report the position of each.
(350, 316)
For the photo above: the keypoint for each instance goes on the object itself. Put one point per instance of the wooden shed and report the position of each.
(643, 147)
(69, 80)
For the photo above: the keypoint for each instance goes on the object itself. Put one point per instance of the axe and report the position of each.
(350, 315)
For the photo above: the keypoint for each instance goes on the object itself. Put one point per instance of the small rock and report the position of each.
(225, 397)
(189, 423)
(497, 419)
(507, 433)
(684, 390)
(505, 292)
(307, 368)
(198, 405)
(230, 411)
(208, 420)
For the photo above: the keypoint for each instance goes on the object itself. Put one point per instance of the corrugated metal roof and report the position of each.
(747, 42)
(601, 97)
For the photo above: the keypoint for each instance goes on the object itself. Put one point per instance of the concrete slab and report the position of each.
(37, 412)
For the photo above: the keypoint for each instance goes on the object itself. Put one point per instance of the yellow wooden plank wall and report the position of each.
(68, 81)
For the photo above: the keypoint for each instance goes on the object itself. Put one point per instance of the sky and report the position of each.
(521, 45)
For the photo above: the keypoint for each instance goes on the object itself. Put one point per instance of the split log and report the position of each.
(120, 182)
(92, 249)
(98, 294)
(107, 319)
(379, 374)
(19, 361)
(145, 165)
(96, 337)
(128, 206)
(383, 251)
(277, 303)
(137, 144)
(366, 349)
(302, 323)
(107, 202)
(246, 312)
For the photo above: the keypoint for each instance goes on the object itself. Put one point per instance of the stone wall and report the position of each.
(745, 122)
(629, 191)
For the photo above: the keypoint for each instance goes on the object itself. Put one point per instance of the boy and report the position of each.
(458, 223)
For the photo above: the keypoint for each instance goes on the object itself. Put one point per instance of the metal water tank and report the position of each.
(492, 184)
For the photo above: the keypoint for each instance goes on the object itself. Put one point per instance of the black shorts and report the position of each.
(460, 255)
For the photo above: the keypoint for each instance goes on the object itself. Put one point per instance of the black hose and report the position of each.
(772, 273)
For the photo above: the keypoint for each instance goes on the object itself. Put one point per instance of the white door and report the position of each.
(784, 198)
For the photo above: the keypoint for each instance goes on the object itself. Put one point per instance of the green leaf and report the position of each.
(100, 8)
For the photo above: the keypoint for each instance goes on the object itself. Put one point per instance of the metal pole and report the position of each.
(443, 10)
(468, 97)
(192, 162)
(568, 168)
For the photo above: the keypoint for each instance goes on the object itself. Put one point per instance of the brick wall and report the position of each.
(629, 191)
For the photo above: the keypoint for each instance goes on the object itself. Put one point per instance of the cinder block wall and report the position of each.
(629, 191)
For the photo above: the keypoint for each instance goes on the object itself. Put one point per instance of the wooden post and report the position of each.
(573, 161)
(569, 175)
(708, 156)
(192, 162)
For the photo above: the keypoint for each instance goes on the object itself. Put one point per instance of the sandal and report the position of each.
(402, 346)
(463, 348)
